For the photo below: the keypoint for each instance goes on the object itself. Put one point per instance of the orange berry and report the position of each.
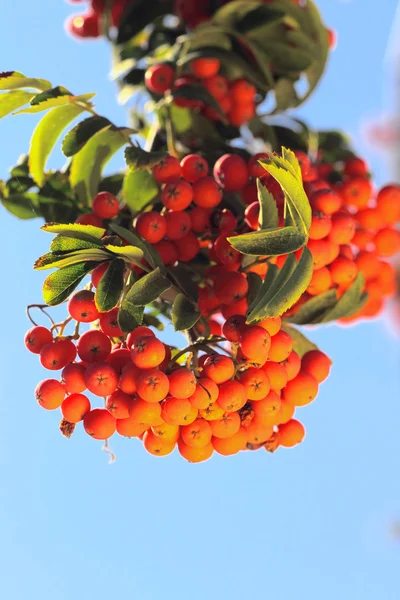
(230, 287)
(75, 407)
(195, 455)
(145, 412)
(317, 364)
(286, 413)
(147, 352)
(321, 281)
(118, 404)
(343, 228)
(227, 426)
(197, 434)
(343, 271)
(205, 67)
(99, 424)
(325, 201)
(50, 394)
(156, 445)
(301, 390)
(170, 433)
(212, 412)
(258, 432)
(153, 385)
(255, 382)
(388, 204)
(387, 278)
(206, 393)
(255, 343)
(276, 374)
(321, 252)
(292, 365)
(356, 192)
(232, 327)
(128, 378)
(281, 346)
(130, 427)
(368, 263)
(232, 396)
(176, 411)
(267, 410)
(362, 238)
(291, 433)
(387, 242)
(182, 383)
(231, 445)
(369, 218)
(321, 226)
(219, 368)
(271, 324)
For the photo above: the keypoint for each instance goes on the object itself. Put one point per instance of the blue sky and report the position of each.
(309, 523)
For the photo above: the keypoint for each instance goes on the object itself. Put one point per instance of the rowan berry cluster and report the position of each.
(235, 99)
(239, 399)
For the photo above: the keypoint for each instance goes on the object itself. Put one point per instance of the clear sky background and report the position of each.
(309, 523)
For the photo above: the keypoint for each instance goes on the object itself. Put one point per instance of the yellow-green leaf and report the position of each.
(269, 242)
(10, 101)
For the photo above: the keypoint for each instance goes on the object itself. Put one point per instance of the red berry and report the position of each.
(98, 273)
(82, 307)
(231, 172)
(50, 393)
(57, 355)
(177, 195)
(151, 226)
(206, 192)
(205, 67)
(37, 337)
(94, 346)
(109, 323)
(178, 224)
(101, 379)
(73, 378)
(194, 167)
(159, 78)
(167, 169)
(105, 205)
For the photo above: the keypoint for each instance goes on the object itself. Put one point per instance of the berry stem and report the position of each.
(41, 307)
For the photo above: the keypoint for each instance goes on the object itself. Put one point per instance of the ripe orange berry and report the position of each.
(50, 393)
(58, 354)
(94, 346)
(213, 412)
(255, 343)
(301, 390)
(387, 278)
(128, 378)
(130, 427)
(362, 238)
(205, 67)
(177, 195)
(151, 226)
(170, 433)
(152, 385)
(73, 378)
(292, 365)
(286, 413)
(75, 407)
(369, 218)
(38, 337)
(343, 271)
(176, 411)
(101, 379)
(387, 242)
(82, 307)
(156, 445)
(271, 324)
(147, 352)
(388, 204)
(356, 192)
(232, 396)
(320, 250)
(255, 382)
(276, 374)
(291, 433)
(321, 281)
(141, 331)
(231, 287)
(206, 192)
(343, 228)
(118, 404)
(325, 201)
(167, 169)
(227, 426)
(281, 346)
(197, 434)
(219, 368)
(267, 410)
(321, 226)
(258, 433)
(195, 455)
(368, 263)
(231, 445)
(317, 364)
(182, 383)
(99, 424)
(206, 393)
(145, 412)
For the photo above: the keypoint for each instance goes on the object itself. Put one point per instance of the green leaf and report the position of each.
(185, 279)
(184, 313)
(60, 284)
(286, 289)
(196, 91)
(89, 233)
(255, 283)
(285, 173)
(62, 243)
(301, 344)
(130, 316)
(130, 254)
(181, 118)
(110, 287)
(136, 158)
(269, 279)
(88, 163)
(51, 99)
(139, 188)
(268, 209)
(269, 242)
(13, 80)
(10, 101)
(148, 288)
(149, 253)
(291, 158)
(285, 95)
(81, 134)
(45, 137)
(49, 261)
(311, 311)
(24, 206)
(349, 303)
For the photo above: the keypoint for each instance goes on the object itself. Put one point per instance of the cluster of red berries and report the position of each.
(244, 399)
(236, 99)
(88, 24)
